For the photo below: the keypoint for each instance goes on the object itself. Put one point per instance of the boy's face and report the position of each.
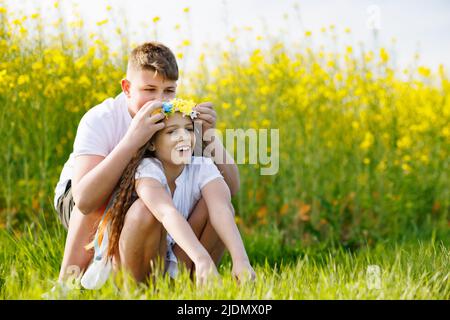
(175, 143)
(143, 86)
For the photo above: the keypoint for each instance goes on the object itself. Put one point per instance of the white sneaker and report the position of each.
(96, 274)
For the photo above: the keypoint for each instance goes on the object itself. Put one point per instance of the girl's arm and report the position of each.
(159, 202)
(221, 213)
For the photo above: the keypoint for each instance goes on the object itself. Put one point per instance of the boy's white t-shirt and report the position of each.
(194, 177)
(98, 133)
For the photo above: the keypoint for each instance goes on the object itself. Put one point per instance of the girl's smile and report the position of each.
(174, 144)
(184, 150)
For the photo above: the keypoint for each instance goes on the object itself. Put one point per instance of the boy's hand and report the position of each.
(243, 271)
(144, 125)
(207, 116)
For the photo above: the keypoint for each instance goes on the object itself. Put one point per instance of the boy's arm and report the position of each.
(95, 177)
(159, 202)
(226, 165)
(223, 160)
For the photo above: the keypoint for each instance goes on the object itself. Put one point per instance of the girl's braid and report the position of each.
(123, 200)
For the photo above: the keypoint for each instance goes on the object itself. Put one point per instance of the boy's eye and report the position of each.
(190, 129)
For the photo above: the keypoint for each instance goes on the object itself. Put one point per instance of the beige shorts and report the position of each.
(65, 205)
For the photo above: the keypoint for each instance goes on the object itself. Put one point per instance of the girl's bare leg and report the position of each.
(143, 238)
(199, 221)
(141, 242)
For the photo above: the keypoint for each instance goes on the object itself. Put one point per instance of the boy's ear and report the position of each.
(125, 87)
(151, 147)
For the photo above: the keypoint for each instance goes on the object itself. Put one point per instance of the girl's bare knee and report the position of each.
(141, 215)
(199, 214)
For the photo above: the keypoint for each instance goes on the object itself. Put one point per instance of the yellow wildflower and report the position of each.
(368, 141)
(384, 55)
(102, 22)
(23, 78)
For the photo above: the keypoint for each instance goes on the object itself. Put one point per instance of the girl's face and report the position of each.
(175, 143)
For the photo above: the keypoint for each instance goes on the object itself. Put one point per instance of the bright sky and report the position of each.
(417, 25)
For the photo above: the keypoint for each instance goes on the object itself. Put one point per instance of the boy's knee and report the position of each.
(82, 220)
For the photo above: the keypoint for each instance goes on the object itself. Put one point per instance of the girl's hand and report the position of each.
(205, 270)
(243, 271)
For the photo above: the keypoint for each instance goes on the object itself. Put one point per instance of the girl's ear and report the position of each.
(151, 147)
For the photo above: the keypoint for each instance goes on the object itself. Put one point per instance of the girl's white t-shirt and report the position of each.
(189, 184)
(98, 133)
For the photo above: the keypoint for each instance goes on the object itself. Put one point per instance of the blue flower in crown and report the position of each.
(167, 107)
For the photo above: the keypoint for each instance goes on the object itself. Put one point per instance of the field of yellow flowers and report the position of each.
(364, 147)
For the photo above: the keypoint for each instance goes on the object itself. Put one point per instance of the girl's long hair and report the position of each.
(123, 200)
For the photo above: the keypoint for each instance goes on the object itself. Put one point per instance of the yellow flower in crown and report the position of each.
(185, 107)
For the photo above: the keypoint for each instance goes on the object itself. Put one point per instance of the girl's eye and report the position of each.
(188, 129)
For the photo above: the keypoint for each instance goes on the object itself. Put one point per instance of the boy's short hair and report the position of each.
(156, 57)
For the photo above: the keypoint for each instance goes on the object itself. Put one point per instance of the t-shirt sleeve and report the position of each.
(149, 169)
(91, 137)
(207, 172)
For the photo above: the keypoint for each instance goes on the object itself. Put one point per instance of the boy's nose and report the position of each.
(158, 96)
(162, 96)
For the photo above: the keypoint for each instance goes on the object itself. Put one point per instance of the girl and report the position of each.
(169, 180)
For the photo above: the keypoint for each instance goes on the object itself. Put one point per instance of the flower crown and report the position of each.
(178, 105)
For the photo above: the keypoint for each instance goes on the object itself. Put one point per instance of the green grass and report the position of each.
(410, 270)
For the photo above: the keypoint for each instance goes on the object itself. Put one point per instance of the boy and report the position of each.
(107, 137)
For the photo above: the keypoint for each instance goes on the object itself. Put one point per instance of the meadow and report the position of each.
(363, 173)
(386, 270)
